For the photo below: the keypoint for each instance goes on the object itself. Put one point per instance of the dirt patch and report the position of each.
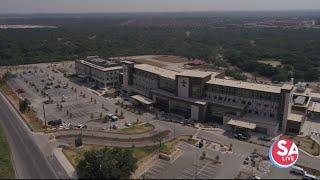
(30, 116)
(171, 59)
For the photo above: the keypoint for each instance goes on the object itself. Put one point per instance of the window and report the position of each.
(271, 115)
(249, 103)
(256, 112)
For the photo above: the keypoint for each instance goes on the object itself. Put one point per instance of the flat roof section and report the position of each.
(100, 67)
(245, 85)
(242, 124)
(156, 70)
(295, 117)
(314, 107)
(198, 74)
(142, 99)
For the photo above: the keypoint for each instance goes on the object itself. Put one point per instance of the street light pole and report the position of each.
(44, 116)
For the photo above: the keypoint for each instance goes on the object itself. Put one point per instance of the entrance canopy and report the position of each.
(242, 124)
(142, 99)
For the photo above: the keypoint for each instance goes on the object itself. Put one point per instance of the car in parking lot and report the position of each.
(265, 138)
(57, 86)
(55, 122)
(309, 176)
(127, 124)
(297, 170)
(82, 126)
(240, 136)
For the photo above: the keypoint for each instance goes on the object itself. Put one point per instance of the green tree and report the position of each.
(108, 163)
(24, 105)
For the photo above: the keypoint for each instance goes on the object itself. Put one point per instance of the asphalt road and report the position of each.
(29, 162)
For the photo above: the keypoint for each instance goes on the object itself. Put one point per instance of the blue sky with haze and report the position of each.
(87, 6)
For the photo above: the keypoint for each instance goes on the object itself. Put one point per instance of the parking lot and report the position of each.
(187, 166)
(63, 99)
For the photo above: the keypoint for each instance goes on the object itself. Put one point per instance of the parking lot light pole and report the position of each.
(44, 116)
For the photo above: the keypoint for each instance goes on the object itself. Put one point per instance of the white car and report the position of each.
(127, 124)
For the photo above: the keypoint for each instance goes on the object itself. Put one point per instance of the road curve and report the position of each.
(29, 162)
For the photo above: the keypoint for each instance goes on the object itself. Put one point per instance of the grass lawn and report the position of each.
(306, 143)
(75, 155)
(6, 169)
(137, 128)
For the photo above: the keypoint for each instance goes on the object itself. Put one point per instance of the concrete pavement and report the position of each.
(28, 160)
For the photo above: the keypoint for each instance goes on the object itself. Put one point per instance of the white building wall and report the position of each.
(183, 87)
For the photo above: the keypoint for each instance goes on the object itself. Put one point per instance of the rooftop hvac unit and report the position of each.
(301, 87)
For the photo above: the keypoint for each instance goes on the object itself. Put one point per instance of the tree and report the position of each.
(108, 163)
(24, 105)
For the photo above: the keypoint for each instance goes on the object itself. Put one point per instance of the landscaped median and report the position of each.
(76, 154)
(137, 128)
(6, 169)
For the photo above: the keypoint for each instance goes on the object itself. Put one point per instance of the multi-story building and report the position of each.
(103, 72)
(203, 97)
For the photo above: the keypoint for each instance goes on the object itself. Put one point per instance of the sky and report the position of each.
(111, 6)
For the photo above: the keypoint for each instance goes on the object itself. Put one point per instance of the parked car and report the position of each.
(48, 101)
(309, 176)
(127, 124)
(114, 118)
(265, 138)
(55, 122)
(57, 86)
(254, 177)
(47, 87)
(82, 126)
(297, 170)
(240, 136)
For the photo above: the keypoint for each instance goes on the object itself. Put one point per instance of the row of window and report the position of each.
(234, 100)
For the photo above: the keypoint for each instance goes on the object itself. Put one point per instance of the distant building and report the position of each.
(103, 72)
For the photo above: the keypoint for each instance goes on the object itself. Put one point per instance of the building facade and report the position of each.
(103, 72)
(203, 97)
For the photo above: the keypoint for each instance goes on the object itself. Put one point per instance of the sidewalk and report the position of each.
(65, 163)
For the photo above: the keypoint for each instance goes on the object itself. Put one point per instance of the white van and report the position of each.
(297, 170)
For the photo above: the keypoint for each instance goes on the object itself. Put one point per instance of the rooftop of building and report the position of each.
(246, 85)
(314, 107)
(156, 70)
(198, 74)
(104, 63)
(296, 116)
(111, 68)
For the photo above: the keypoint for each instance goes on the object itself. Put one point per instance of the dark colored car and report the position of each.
(240, 136)
(55, 122)
(265, 138)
